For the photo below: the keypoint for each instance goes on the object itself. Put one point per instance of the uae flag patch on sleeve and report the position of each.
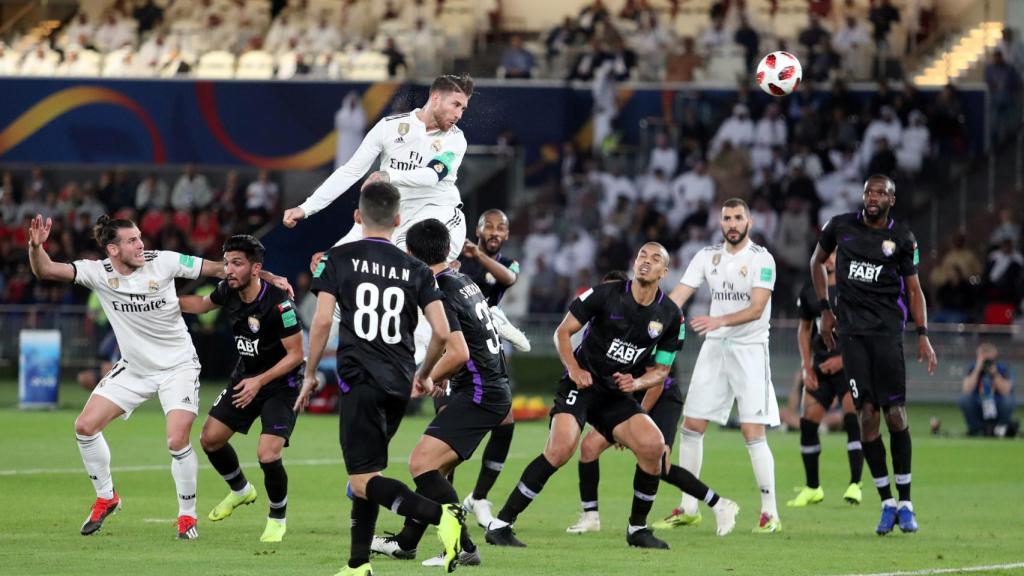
(287, 314)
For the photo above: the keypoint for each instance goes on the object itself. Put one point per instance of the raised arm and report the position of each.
(42, 267)
(502, 274)
(194, 304)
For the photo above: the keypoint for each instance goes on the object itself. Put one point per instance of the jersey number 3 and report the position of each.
(484, 314)
(368, 319)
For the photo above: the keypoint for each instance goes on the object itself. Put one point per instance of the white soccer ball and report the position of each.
(779, 73)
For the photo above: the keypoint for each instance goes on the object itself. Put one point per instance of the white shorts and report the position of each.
(177, 389)
(451, 216)
(727, 371)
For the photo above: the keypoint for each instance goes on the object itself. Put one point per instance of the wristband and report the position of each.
(824, 304)
(922, 330)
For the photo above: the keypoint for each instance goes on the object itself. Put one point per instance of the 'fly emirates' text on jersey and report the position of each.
(731, 279)
(143, 308)
(423, 165)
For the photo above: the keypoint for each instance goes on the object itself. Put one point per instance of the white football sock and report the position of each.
(96, 457)
(764, 472)
(185, 470)
(691, 457)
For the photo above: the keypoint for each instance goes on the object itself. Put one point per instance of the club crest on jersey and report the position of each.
(435, 145)
(489, 278)
(654, 328)
(743, 271)
(254, 324)
(716, 259)
(888, 247)
(113, 283)
(403, 128)
(154, 285)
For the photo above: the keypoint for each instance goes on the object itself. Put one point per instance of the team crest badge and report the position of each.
(254, 324)
(654, 328)
(113, 282)
(888, 247)
(489, 278)
(743, 271)
(438, 167)
(403, 129)
(154, 285)
(716, 259)
(435, 145)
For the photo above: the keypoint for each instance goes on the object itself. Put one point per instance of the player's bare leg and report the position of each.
(275, 481)
(593, 445)
(691, 458)
(184, 470)
(89, 426)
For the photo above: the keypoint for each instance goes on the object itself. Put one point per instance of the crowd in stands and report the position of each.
(191, 215)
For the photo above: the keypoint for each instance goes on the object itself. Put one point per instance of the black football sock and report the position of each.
(275, 480)
(874, 453)
(530, 484)
(495, 454)
(900, 442)
(433, 486)
(225, 462)
(364, 521)
(685, 480)
(397, 497)
(645, 488)
(854, 449)
(810, 451)
(590, 477)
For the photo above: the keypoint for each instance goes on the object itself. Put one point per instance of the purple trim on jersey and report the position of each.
(292, 382)
(628, 284)
(668, 383)
(892, 223)
(379, 240)
(661, 296)
(345, 388)
(899, 302)
(478, 383)
(862, 218)
(263, 291)
(444, 272)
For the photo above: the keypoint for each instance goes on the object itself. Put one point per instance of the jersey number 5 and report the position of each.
(367, 319)
(484, 314)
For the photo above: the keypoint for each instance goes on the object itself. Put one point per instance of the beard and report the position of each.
(743, 236)
(883, 214)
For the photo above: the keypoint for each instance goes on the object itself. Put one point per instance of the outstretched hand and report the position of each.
(38, 230)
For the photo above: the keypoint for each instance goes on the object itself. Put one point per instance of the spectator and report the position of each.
(591, 16)
(747, 37)
(731, 171)
(691, 189)
(842, 131)
(954, 296)
(80, 31)
(737, 129)
(883, 161)
(914, 145)
(882, 15)
(516, 61)
(281, 31)
(656, 192)
(1004, 90)
(852, 41)
(261, 199)
(547, 289)
(681, 67)
(987, 401)
(769, 132)
(1003, 276)
(350, 123)
(617, 184)
(715, 38)
(1008, 229)
(324, 37)
(808, 162)
(825, 63)
(887, 126)
(812, 37)
(205, 234)
(151, 194)
(40, 62)
(948, 126)
(191, 191)
(147, 16)
(663, 156)
(1013, 50)
(792, 245)
(114, 33)
(396, 59)
(560, 38)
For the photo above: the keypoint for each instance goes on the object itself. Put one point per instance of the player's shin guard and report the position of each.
(590, 477)
(854, 449)
(495, 454)
(364, 521)
(690, 485)
(691, 456)
(874, 453)
(810, 451)
(397, 497)
(185, 470)
(530, 484)
(275, 479)
(763, 462)
(645, 488)
(900, 443)
(225, 462)
(96, 457)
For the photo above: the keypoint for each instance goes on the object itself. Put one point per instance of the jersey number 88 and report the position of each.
(368, 297)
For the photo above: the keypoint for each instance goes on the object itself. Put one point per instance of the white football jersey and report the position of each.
(407, 153)
(143, 308)
(731, 279)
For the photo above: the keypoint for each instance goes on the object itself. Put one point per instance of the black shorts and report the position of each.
(369, 418)
(875, 369)
(463, 424)
(831, 387)
(604, 410)
(666, 413)
(273, 405)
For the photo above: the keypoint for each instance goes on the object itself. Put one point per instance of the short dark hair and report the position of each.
(483, 217)
(615, 276)
(378, 204)
(429, 241)
(105, 230)
(890, 185)
(737, 202)
(452, 83)
(246, 243)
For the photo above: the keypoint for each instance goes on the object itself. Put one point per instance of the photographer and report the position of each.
(987, 400)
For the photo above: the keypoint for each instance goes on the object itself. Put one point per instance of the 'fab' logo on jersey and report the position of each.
(624, 352)
(888, 248)
(254, 324)
(654, 328)
(865, 272)
(247, 347)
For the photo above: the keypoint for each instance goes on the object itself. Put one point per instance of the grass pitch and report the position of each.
(968, 495)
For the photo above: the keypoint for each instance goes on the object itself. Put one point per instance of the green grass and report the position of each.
(968, 495)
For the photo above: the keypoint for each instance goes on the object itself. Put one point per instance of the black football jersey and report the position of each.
(258, 327)
(807, 304)
(379, 289)
(623, 336)
(483, 377)
(871, 265)
(493, 291)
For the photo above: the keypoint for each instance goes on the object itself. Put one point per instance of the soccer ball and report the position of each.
(779, 73)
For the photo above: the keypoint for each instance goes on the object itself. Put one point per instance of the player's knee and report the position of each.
(209, 442)
(896, 418)
(419, 465)
(592, 448)
(358, 484)
(558, 455)
(177, 440)
(268, 453)
(84, 427)
(650, 449)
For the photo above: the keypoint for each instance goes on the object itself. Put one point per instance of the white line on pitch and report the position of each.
(961, 570)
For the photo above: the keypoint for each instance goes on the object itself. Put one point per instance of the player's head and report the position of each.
(378, 207)
(492, 231)
(879, 197)
(449, 98)
(243, 260)
(651, 264)
(615, 276)
(735, 220)
(428, 241)
(120, 239)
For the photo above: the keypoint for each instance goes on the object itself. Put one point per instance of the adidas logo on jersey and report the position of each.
(624, 352)
(399, 140)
